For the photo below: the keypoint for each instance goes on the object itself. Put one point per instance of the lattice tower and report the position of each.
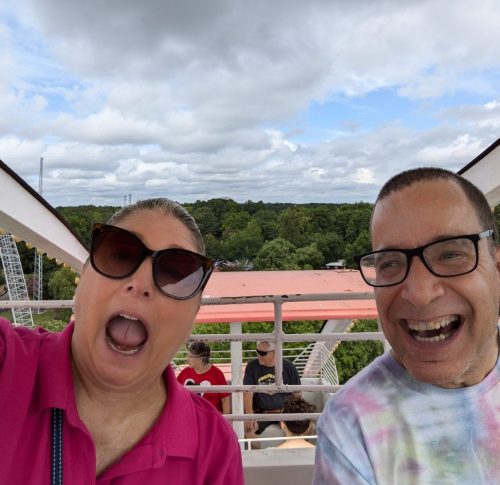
(14, 278)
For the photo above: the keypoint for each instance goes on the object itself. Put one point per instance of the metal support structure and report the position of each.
(38, 266)
(38, 280)
(237, 379)
(14, 278)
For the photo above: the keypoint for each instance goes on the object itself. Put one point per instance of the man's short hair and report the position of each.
(269, 344)
(424, 174)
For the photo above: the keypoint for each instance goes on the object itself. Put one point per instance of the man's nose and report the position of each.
(421, 287)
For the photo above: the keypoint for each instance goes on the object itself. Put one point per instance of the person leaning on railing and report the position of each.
(99, 402)
(429, 410)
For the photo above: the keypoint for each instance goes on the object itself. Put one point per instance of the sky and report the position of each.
(262, 100)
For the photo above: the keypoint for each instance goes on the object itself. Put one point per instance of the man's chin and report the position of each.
(446, 375)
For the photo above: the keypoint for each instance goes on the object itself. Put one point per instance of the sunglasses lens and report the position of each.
(115, 253)
(262, 352)
(179, 273)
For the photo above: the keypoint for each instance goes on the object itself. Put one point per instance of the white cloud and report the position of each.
(194, 99)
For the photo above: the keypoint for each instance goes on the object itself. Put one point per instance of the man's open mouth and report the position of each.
(434, 330)
(126, 334)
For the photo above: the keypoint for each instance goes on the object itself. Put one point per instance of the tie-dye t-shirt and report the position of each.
(384, 427)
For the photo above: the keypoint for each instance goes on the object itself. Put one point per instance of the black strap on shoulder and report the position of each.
(57, 448)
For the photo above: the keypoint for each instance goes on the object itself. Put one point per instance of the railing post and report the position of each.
(278, 332)
(237, 378)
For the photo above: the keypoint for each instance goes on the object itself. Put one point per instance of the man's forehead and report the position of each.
(422, 212)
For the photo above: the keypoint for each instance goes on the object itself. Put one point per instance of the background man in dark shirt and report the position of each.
(260, 371)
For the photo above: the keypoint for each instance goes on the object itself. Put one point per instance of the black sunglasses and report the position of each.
(177, 273)
(263, 352)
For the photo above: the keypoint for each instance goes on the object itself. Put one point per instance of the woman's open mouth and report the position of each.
(126, 334)
(434, 330)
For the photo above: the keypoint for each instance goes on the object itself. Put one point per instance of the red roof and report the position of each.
(265, 283)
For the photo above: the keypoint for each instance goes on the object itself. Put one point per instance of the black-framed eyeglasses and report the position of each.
(177, 273)
(451, 256)
(263, 353)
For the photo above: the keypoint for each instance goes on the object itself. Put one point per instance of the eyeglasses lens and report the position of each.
(178, 273)
(115, 254)
(453, 257)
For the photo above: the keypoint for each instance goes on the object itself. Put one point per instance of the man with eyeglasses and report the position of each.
(428, 411)
(260, 371)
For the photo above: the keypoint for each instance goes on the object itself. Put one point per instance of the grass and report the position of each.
(45, 319)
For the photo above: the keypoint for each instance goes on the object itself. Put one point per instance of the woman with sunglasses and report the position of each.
(99, 402)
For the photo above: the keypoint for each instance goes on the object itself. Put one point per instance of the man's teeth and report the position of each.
(433, 330)
(431, 325)
(436, 338)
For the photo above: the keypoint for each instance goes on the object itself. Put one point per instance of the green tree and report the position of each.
(212, 246)
(361, 245)
(244, 243)
(295, 226)
(331, 245)
(206, 220)
(278, 254)
(322, 219)
(310, 257)
(351, 357)
(358, 222)
(62, 287)
(219, 207)
(234, 221)
(268, 222)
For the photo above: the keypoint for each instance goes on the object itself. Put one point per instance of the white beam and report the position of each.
(484, 172)
(27, 216)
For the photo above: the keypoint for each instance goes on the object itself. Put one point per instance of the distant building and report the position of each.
(340, 264)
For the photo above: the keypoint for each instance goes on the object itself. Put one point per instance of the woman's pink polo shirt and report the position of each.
(191, 443)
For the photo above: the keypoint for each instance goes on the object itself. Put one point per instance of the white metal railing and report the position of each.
(277, 336)
(308, 361)
(317, 361)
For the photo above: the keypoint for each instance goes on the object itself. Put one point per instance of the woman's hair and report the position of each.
(200, 349)
(297, 405)
(168, 208)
